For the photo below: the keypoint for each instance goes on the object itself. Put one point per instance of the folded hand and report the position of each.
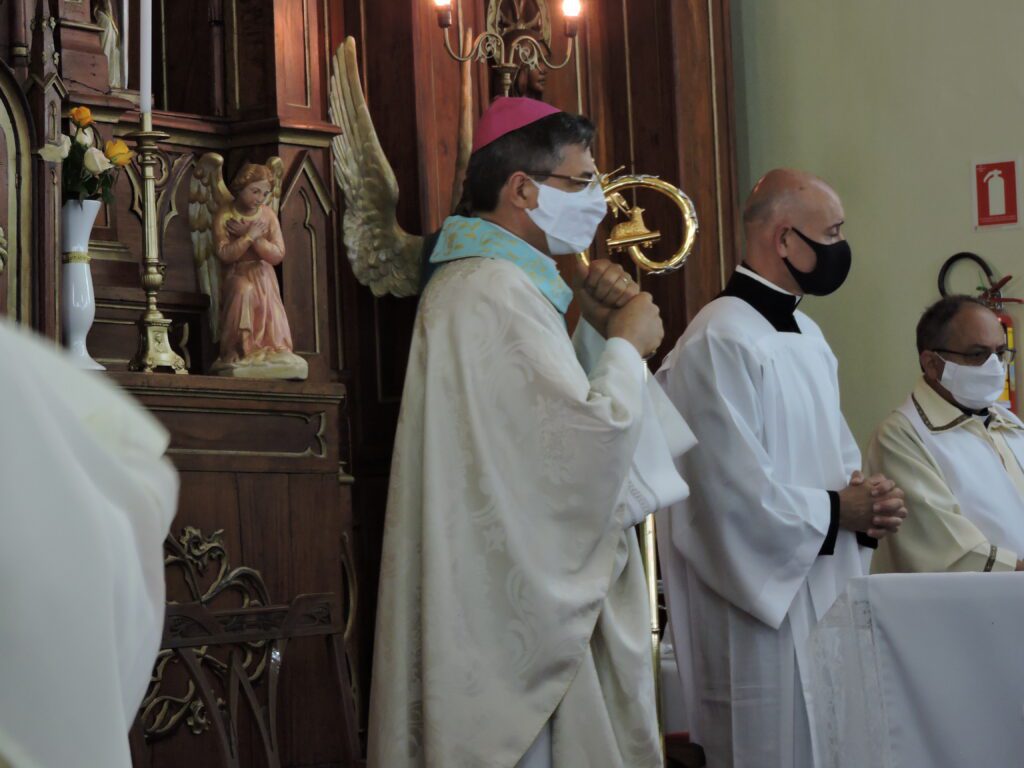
(600, 288)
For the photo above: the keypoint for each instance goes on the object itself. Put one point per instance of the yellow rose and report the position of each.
(118, 153)
(81, 116)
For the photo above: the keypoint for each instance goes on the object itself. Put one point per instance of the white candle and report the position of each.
(124, 44)
(146, 56)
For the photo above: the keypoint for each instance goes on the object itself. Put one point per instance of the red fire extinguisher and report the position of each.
(994, 299)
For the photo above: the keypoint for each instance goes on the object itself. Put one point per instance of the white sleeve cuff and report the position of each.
(618, 350)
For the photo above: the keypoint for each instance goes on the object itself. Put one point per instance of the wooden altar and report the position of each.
(293, 474)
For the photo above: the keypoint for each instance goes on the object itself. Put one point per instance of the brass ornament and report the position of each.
(505, 17)
(632, 236)
(154, 352)
(499, 43)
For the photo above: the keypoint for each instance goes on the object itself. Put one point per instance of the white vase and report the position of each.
(77, 299)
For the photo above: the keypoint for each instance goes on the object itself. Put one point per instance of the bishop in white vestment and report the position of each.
(956, 452)
(770, 535)
(513, 628)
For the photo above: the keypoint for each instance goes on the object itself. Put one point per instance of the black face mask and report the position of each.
(830, 271)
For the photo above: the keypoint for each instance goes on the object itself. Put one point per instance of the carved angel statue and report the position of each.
(384, 256)
(237, 242)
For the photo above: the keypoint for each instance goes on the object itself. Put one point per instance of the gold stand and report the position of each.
(649, 556)
(649, 553)
(154, 353)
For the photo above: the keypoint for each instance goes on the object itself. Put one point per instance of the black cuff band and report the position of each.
(866, 541)
(828, 547)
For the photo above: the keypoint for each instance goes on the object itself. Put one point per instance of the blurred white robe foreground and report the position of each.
(512, 595)
(86, 499)
(740, 558)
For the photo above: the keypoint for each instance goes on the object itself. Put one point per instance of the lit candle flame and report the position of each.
(571, 9)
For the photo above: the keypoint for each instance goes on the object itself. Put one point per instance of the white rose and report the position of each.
(96, 162)
(84, 136)
(55, 153)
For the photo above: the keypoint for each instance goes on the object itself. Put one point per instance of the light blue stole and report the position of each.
(468, 237)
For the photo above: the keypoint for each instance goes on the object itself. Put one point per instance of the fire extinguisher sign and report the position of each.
(995, 194)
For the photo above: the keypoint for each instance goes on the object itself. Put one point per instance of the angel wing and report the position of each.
(208, 194)
(276, 166)
(384, 257)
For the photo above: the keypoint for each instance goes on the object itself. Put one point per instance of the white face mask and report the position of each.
(568, 219)
(975, 386)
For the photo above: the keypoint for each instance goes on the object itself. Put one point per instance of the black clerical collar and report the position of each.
(776, 306)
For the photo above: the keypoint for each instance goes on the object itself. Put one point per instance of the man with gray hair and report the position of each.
(955, 450)
(779, 517)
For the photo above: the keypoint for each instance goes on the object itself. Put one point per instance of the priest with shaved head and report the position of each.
(779, 517)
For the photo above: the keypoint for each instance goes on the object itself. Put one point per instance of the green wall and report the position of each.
(890, 101)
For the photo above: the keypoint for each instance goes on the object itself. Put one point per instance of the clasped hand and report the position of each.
(615, 306)
(255, 229)
(873, 505)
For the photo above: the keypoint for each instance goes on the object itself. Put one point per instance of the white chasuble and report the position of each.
(740, 557)
(87, 502)
(511, 591)
(974, 471)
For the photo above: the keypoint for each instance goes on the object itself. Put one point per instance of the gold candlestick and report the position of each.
(154, 353)
(523, 51)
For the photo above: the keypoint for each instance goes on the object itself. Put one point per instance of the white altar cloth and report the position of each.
(921, 670)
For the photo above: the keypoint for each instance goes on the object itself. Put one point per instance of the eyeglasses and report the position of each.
(587, 182)
(1005, 355)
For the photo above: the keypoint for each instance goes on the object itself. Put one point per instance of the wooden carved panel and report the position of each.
(239, 432)
(188, 83)
(77, 11)
(307, 228)
(293, 529)
(250, 76)
(295, 79)
(223, 650)
(8, 199)
(301, 62)
(7, 29)
(15, 201)
(246, 425)
(82, 61)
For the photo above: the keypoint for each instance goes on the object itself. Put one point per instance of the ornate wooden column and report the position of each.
(17, 38)
(46, 90)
